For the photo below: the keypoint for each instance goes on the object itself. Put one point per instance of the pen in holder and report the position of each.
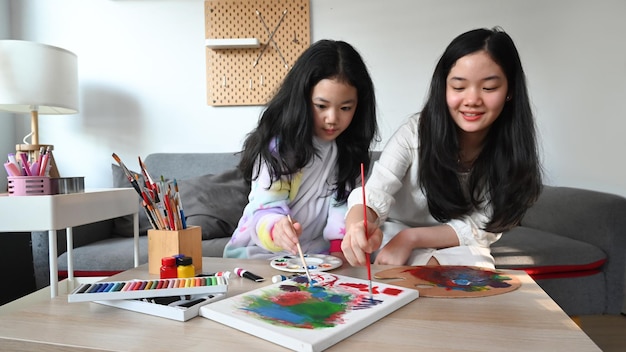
(167, 243)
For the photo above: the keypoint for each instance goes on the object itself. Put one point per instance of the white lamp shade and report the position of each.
(35, 76)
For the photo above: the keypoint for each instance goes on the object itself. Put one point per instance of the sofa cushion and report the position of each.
(214, 202)
(544, 254)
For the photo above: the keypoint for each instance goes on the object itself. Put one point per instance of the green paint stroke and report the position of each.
(300, 306)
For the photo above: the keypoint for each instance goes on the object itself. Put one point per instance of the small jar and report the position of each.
(168, 268)
(185, 267)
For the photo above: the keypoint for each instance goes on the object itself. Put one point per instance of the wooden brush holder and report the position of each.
(167, 243)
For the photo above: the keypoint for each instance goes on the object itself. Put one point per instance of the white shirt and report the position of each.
(393, 192)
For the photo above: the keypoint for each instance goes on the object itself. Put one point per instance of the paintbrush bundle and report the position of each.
(161, 200)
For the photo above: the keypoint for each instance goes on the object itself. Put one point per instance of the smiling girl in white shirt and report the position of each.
(454, 177)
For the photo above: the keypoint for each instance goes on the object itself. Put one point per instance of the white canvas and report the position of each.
(303, 318)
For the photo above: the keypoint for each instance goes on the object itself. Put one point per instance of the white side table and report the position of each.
(64, 211)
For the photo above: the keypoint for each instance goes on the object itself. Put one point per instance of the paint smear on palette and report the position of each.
(297, 304)
(452, 281)
(314, 262)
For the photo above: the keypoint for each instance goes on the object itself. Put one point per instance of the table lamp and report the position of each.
(40, 79)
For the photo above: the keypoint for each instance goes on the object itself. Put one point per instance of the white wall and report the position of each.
(142, 75)
(7, 129)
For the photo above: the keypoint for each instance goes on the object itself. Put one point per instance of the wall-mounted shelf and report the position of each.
(259, 41)
(233, 43)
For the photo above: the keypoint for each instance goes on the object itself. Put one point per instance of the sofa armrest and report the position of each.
(589, 216)
(585, 215)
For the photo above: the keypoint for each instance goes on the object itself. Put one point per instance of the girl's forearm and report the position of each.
(355, 215)
(439, 236)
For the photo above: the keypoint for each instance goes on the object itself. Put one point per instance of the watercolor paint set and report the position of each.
(133, 289)
(309, 316)
(180, 308)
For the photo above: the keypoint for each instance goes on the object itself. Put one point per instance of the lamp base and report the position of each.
(33, 153)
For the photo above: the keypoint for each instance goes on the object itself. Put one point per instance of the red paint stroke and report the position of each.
(293, 298)
(392, 291)
(361, 287)
(327, 280)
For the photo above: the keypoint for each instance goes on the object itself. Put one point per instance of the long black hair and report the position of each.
(508, 166)
(288, 118)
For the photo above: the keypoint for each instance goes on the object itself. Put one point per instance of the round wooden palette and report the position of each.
(451, 281)
(314, 262)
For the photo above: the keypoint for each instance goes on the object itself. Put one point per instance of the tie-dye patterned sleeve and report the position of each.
(267, 205)
(264, 233)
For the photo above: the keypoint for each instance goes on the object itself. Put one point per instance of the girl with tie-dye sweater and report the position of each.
(304, 157)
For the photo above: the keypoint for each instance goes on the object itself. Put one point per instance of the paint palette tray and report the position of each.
(116, 290)
(314, 262)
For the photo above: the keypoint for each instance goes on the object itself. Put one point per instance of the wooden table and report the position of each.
(64, 211)
(523, 320)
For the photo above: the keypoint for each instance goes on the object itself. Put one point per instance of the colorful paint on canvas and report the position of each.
(305, 317)
(297, 304)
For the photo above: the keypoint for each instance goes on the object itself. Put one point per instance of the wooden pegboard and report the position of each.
(251, 76)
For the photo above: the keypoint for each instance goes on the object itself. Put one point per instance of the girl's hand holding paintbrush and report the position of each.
(286, 233)
(305, 266)
(355, 243)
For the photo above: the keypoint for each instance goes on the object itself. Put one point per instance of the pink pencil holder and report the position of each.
(29, 186)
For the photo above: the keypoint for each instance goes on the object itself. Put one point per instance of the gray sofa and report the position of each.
(572, 241)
